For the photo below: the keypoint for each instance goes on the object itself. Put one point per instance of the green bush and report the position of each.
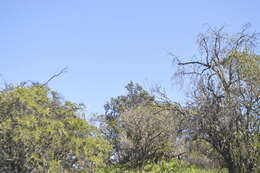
(173, 166)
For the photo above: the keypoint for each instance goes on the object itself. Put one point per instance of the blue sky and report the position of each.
(106, 44)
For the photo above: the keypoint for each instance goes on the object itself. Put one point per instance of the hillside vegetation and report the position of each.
(216, 130)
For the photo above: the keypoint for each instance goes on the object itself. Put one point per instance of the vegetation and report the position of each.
(174, 165)
(225, 108)
(217, 130)
(41, 133)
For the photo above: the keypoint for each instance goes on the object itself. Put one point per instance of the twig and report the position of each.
(64, 70)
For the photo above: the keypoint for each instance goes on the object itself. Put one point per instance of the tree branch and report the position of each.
(64, 70)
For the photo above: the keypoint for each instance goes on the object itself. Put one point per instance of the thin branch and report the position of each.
(194, 62)
(64, 70)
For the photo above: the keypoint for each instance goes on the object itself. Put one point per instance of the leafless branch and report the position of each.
(64, 70)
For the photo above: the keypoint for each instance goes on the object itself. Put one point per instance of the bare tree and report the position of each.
(148, 133)
(224, 110)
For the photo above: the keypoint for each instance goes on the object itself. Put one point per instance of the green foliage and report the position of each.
(41, 133)
(140, 128)
(246, 64)
(110, 125)
(172, 166)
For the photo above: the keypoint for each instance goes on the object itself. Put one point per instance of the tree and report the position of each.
(39, 132)
(224, 111)
(140, 128)
(135, 96)
(147, 133)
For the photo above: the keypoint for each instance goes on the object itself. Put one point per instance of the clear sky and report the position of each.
(107, 43)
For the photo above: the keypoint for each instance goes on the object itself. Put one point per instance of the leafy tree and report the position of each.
(140, 128)
(135, 96)
(224, 110)
(39, 132)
